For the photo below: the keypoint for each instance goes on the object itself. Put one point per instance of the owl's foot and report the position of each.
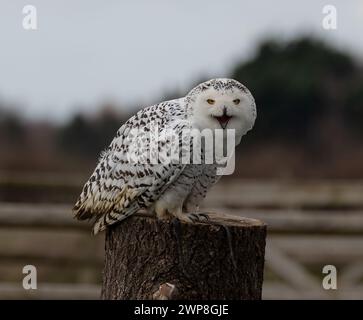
(198, 217)
(165, 211)
(192, 217)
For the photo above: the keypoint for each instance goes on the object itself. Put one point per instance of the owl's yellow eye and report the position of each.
(210, 101)
(236, 101)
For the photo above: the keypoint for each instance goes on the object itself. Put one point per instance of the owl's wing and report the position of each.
(126, 177)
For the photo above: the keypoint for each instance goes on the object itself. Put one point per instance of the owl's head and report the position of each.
(222, 104)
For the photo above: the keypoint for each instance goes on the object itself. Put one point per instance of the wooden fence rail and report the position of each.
(13, 215)
(339, 194)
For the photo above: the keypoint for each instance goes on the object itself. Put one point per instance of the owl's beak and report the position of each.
(223, 119)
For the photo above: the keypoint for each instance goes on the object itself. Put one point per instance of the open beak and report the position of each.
(224, 119)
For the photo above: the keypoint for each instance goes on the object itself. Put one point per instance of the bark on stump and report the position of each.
(148, 258)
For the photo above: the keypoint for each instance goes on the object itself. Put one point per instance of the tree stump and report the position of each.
(147, 258)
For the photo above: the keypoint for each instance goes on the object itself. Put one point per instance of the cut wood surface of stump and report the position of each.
(147, 258)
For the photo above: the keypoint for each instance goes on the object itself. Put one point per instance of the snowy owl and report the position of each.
(120, 186)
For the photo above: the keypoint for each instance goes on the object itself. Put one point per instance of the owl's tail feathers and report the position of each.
(106, 209)
(113, 217)
(81, 213)
(82, 209)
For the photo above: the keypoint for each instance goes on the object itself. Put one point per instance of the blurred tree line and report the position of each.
(89, 135)
(299, 85)
(307, 93)
(12, 128)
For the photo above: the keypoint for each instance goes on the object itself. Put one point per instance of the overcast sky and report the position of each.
(87, 52)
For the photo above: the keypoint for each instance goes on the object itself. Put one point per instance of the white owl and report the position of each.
(120, 187)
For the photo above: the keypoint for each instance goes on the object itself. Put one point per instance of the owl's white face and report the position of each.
(220, 108)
